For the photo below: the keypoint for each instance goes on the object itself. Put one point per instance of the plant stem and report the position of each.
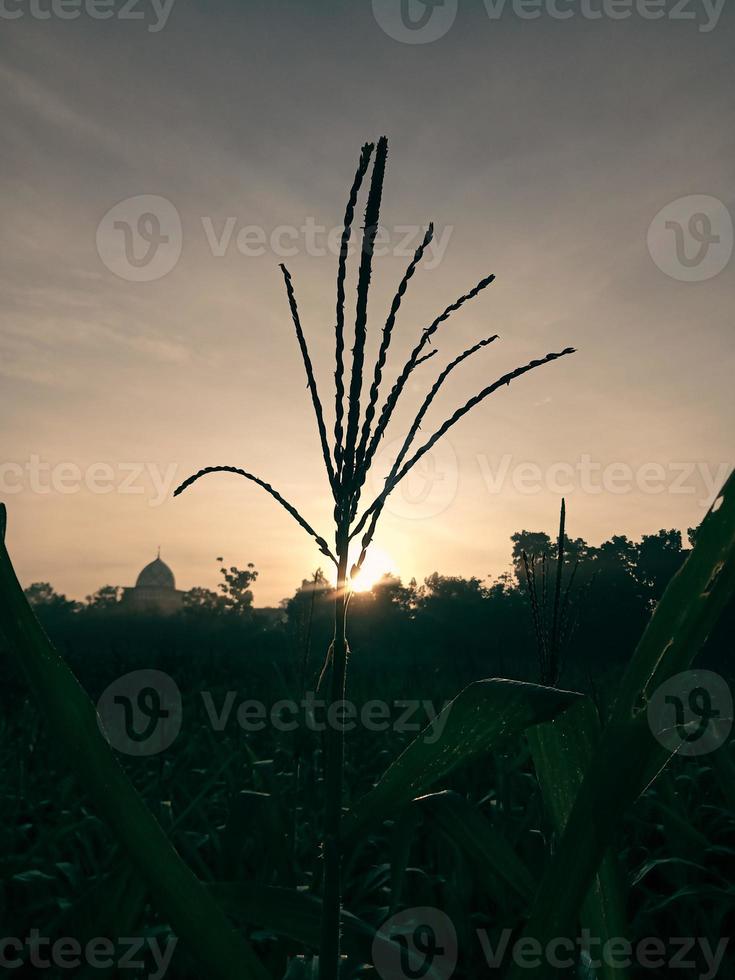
(553, 664)
(329, 950)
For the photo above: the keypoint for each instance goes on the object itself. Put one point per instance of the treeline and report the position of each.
(433, 636)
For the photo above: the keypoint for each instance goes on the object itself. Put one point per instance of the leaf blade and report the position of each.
(629, 756)
(73, 720)
(483, 714)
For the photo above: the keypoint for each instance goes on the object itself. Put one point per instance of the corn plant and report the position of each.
(359, 428)
(562, 748)
(550, 637)
(626, 757)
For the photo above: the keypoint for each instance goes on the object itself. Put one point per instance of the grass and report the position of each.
(476, 846)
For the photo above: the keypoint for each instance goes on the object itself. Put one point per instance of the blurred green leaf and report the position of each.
(562, 751)
(480, 717)
(628, 756)
(291, 914)
(489, 853)
(72, 719)
(110, 906)
(296, 915)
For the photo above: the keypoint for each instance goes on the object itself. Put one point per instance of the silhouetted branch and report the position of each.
(425, 407)
(395, 392)
(469, 405)
(311, 380)
(323, 546)
(383, 354)
(340, 327)
(377, 505)
(426, 357)
(372, 215)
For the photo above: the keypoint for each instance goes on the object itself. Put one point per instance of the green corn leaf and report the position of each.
(256, 815)
(296, 915)
(489, 853)
(628, 755)
(562, 751)
(292, 914)
(481, 716)
(72, 719)
(688, 610)
(402, 836)
(724, 768)
(112, 906)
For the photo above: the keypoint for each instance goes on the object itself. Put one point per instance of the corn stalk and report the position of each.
(358, 430)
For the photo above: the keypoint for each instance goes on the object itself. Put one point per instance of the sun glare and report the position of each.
(377, 564)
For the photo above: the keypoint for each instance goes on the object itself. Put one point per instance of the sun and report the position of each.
(377, 564)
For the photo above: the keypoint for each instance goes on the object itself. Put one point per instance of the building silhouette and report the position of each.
(154, 591)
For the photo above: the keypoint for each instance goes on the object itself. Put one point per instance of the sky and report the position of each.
(158, 168)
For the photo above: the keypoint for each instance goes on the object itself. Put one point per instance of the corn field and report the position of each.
(523, 813)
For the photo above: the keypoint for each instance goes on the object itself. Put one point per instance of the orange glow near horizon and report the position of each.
(377, 564)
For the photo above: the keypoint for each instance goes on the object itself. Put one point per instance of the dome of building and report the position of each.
(156, 575)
